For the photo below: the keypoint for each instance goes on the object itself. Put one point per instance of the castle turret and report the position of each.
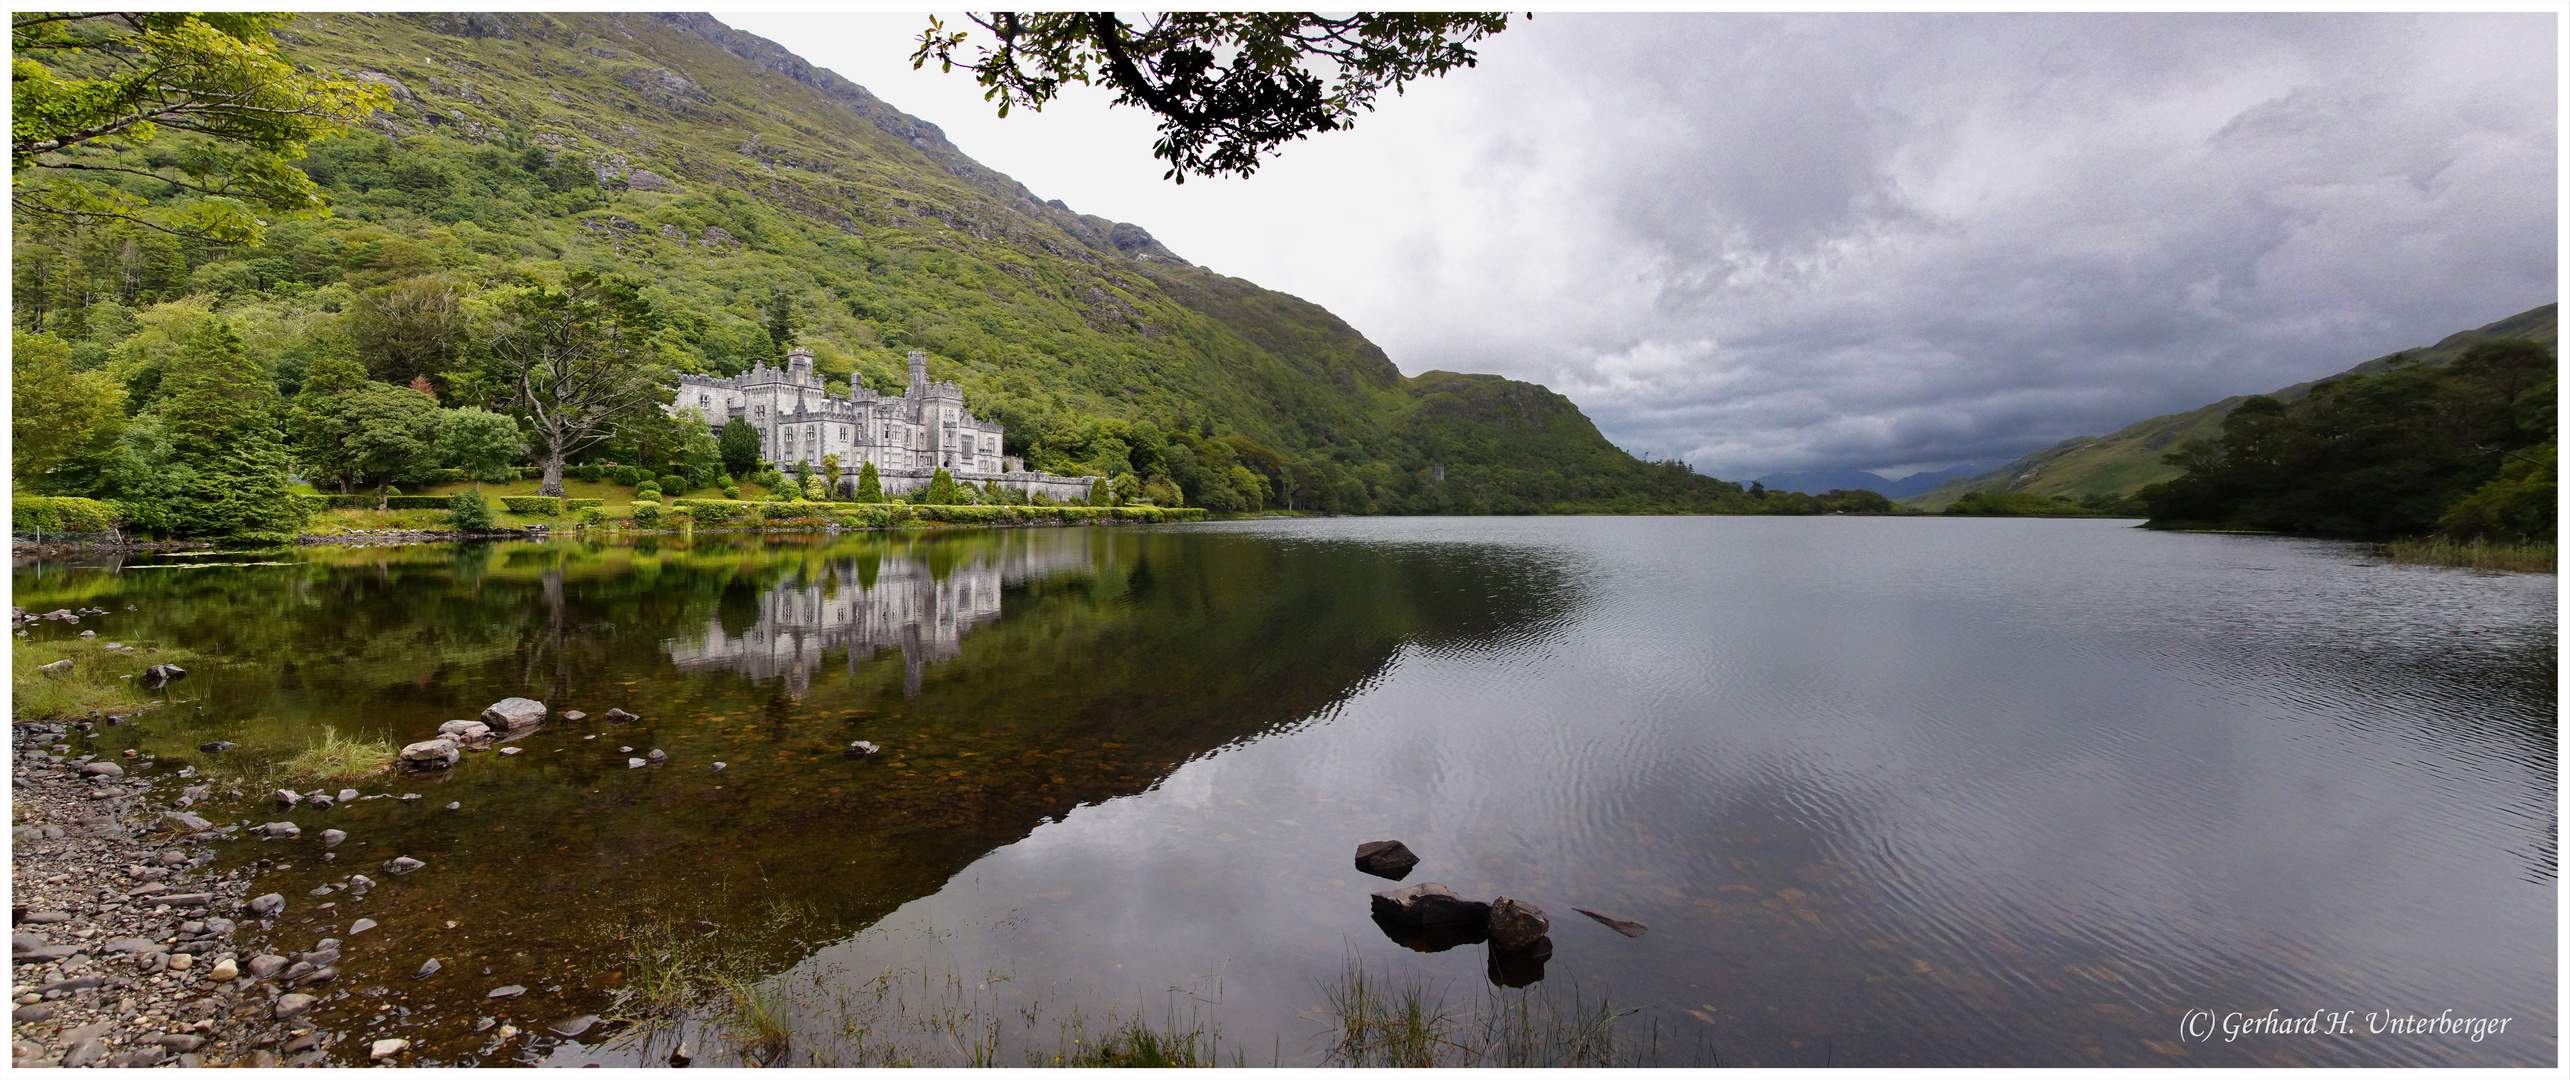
(798, 363)
(918, 372)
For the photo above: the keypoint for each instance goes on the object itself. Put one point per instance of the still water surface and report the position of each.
(1885, 791)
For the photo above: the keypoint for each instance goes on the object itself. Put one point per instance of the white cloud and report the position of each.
(1770, 242)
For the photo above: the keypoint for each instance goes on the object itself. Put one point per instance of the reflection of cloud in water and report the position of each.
(909, 606)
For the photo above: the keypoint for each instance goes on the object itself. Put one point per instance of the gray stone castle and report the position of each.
(908, 438)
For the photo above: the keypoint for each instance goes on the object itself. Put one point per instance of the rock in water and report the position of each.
(1520, 967)
(427, 969)
(656, 757)
(1626, 927)
(863, 749)
(635, 763)
(384, 1048)
(347, 795)
(1429, 917)
(1515, 924)
(218, 746)
(719, 766)
(288, 798)
(360, 926)
(431, 754)
(618, 716)
(464, 730)
(332, 837)
(263, 966)
(507, 751)
(1385, 859)
(283, 830)
(402, 864)
(513, 714)
(508, 991)
(574, 715)
(268, 905)
(572, 1028)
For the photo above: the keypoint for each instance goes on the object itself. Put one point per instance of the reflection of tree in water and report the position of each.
(858, 605)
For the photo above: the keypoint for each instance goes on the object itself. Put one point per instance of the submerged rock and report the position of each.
(513, 714)
(618, 716)
(160, 675)
(1626, 927)
(1520, 967)
(1429, 917)
(1385, 859)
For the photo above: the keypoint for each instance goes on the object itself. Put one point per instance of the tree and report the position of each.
(223, 442)
(578, 362)
(1098, 492)
(392, 434)
(780, 322)
(830, 468)
(941, 490)
(53, 409)
(90, 92)
(483, 444)
(869, 485)
(410, 328)
(1228, 87)
(1128, 487)
(740, 447)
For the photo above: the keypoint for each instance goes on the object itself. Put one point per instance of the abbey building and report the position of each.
(907, 438)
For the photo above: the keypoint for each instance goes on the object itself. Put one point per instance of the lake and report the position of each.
(1945, 792)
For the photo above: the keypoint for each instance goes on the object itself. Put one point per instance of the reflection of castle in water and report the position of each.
(908, 608)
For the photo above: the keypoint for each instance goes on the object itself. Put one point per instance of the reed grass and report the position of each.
(1381, 1022)
(2527, 557)
(100, 683)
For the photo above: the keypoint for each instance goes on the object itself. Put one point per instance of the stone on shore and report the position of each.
(268, 905)
(513, 714)
(384, 1048)
(218, 746)
(224, 970)
(102, 768)
(348, 795)
(263, 966)
(57, 669)
(294, 1005)
(1385, 859)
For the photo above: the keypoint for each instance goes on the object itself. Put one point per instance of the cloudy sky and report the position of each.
(1864, 241)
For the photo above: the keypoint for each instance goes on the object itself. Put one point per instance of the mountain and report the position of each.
(723, 172)
(2128, 460)
(1826, 480)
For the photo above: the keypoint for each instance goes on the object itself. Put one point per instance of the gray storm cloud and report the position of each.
(1884, 241)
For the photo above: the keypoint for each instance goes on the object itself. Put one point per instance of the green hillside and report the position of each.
(2129, 460)
(721, 173)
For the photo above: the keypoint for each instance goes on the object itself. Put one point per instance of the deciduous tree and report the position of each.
(578, 362)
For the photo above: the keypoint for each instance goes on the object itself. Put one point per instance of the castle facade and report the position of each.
(907, 438)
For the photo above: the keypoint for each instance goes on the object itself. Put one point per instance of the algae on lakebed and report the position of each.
(1010, 675)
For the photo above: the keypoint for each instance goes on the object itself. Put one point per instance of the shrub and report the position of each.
(590, 473)
(648, 492)
(709, 511)
(591, 515)
(447, 476)
(468, 511)
(673, 482)
(732, 492)
(530, 472)
(55, 514)
(647, 515)
(543, 505)
(625, 474)
(576, 505)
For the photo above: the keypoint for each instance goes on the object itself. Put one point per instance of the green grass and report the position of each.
(1380, 1022)
(99, 682)
(335, 758)
(2529, 557)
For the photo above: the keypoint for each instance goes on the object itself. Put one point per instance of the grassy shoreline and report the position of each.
(2528, 557)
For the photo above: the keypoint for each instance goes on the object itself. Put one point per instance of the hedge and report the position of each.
(546, 505)
(60, 514)
(367, 502)
(577, 505)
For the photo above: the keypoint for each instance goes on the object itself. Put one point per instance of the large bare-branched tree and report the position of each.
(575, 363)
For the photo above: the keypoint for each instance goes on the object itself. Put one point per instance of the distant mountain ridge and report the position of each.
(2128, 460)
(1823, 481)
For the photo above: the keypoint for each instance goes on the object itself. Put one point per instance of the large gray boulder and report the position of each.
(431, 754)
(513, 714)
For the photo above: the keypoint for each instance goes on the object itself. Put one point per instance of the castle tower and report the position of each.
(918, 373)
(798, 363)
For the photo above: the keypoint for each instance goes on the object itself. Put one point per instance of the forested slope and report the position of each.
(759, 203)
